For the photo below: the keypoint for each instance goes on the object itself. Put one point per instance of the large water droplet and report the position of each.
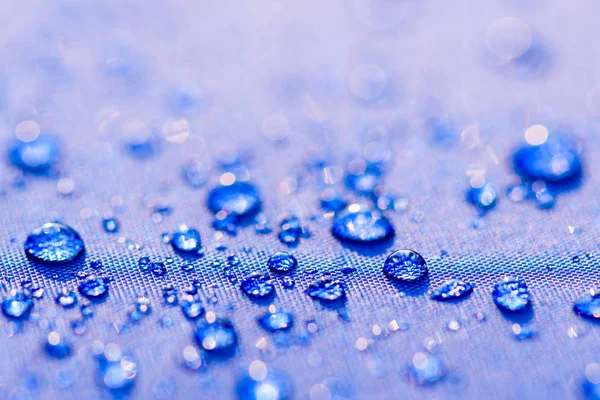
(17, 306)
(425, 369)
(54, 242)
(186, 240)
(93, 287)
(263, 384)
(257, 285)
(327, 289)
(360, 223)
(588, 306)
(405, 265)
(217, 337)
(277, 321)
(240, 199)
(451, 290)
(511, 294)
(556, 159)
(38, 156)
(282, 262)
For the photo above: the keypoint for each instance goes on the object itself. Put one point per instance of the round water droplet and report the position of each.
(282, 262)
(511, 294)
(17, 306)
(54, 242)
(110, 225)
(588, 306)
(556, 159)
(405, 265)
(483, 197)
(258, 386)
(186, 240)
(38, 156)
(117, 374)
(278, 321)
(217, 337)
(194, 173)
(192, 309)
(327, 289)
(240, 199)
(425, 369)
(451, 290)
(57, 346)
(360, 223)
(66, 299)
(363, 178)
(257, 285)
(93, 287)
(158, 268)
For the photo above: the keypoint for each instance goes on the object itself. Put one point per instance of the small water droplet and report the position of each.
(483, 197)
(38, 156)
(425, 369)
(158, 269)
(326, 289)
(187, 267)
(257, 285)
(217, 337)
(523, 332)
(66, 299)
(452, 289)
(96, 264)
(291, 230)
(117, 372)
(361, 223)
(277, 321)
(239, 199)
(186, 240)
(192, 309)
(54, 242)
(110, 225)
(511, 294)
(17, 306)
(194, 173)
(93, 287)
(282, 262)
(405, 265)
(288, 282)
(363, 177)
(57, 346)
(263, 383)
(141, 310)
(588, 306)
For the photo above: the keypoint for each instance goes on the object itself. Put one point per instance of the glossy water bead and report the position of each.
(452, 290)
(192, 309)
(54, 242)
(93, 288)
(217, 336)
(262, 383)
(116, 372)
(257, 285)
(17, 306)
(511, 294)
(557, 158)
(425, 369)
(483, 197)
(361, 223)
(588, 306)
(405, 265)
(37, 156)
(186, 240)
(282, 262)
(326, 289)
(240, 199)
(57, 346)
(277, 321)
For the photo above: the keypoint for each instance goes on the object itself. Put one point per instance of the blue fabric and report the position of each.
(436, 92)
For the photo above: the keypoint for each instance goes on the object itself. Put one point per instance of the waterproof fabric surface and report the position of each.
(285, 84)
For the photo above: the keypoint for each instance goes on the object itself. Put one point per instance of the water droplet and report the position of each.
(93, 287)
(523, 332)
(282, 262)
(511, 294)
(17, 306)
(240, 199)
(53, 242)
(425, 369)
(291, 230)
(186, 240)
(142, 309)
(452, 289)
(331, 201)
(38, 156)
(194, 173)
(96, 264)
(110, 225)
(217, 337)
(588, 306)
(116, 372)
(139, 140)
(483, 197)
(192, 309)
(158, 269)
(326, 289)
(363, 178)
(187, 267)
(360, 223)
(278, 321)
(556, 159)
(57, 346)
(288, 282)
(263, 383)
(257, 285)
(405, 265)
(67, 299)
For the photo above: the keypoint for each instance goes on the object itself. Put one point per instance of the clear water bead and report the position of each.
(556, 159)
(17, 306)
(240, 199)
(326, 289)
(360, 223)
(257, 285)
(405, 265)
(282, 262)
(216, 337)
(425, 369)
(261, 383)
(511, 294)
(110, 225)
(57, 346)
(93, 287)
(483, 197)
(277, 321)
(186, 240)
(38, 156)
(588, 306)
(54, 242)
(192, 309)
(66, 299)
(451, 290)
